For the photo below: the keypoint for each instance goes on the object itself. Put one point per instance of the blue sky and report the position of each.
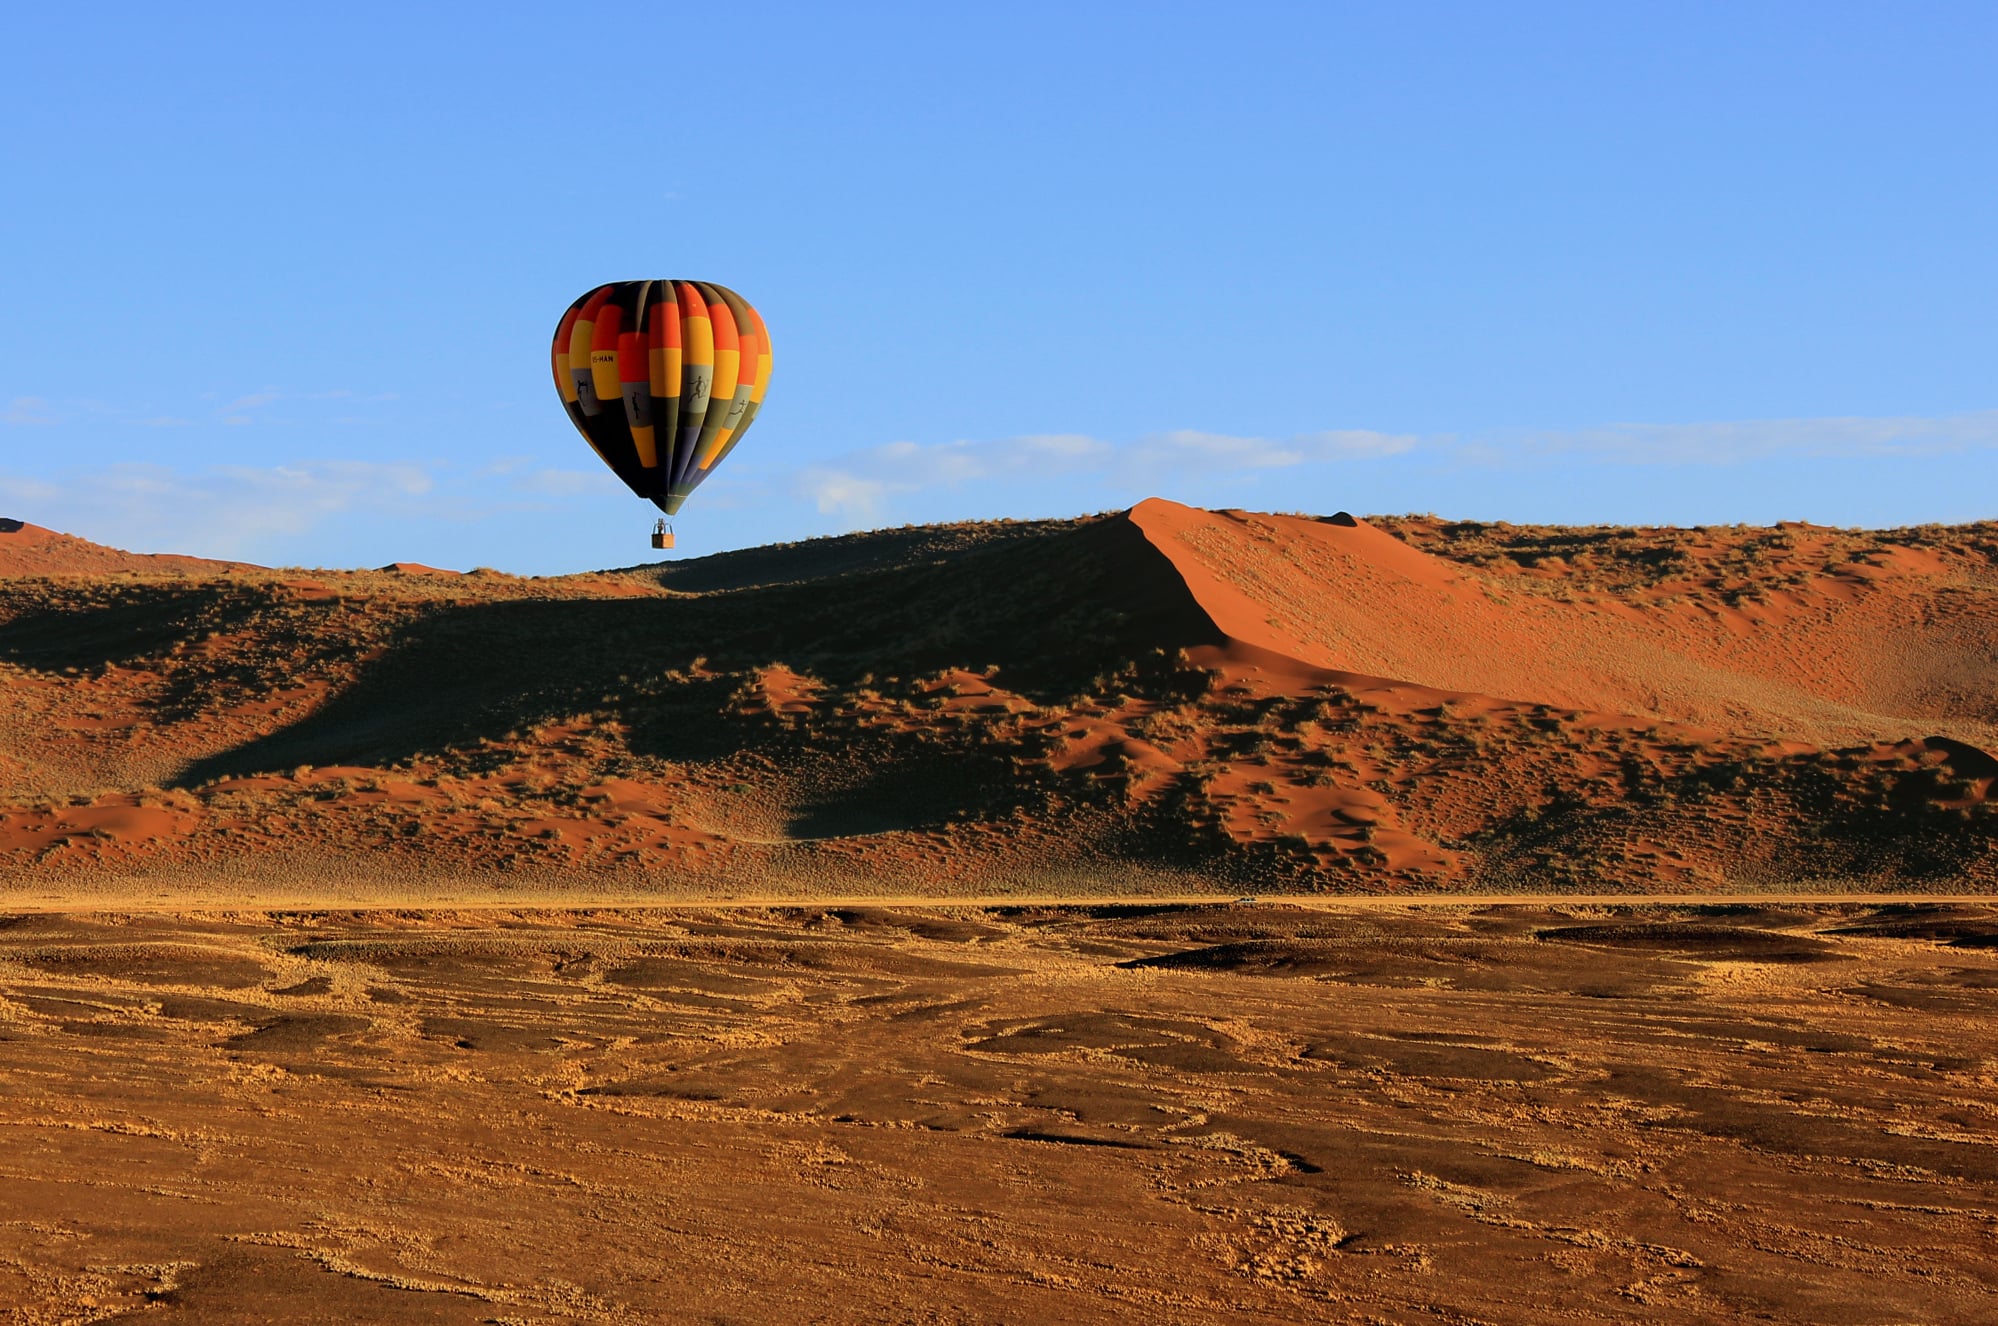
(279, 280)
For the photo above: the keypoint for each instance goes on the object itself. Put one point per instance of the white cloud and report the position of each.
(1185, 449)
(860, 484)
(279, 513)
(963, 462)
(22, 490)
(247, 408)
(26, 411)
(565, 483)
(839, 493)
(272, 514)
(252, 401)
(224, 511)
(1723, 443)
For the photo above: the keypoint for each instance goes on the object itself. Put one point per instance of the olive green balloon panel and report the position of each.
(662, 378)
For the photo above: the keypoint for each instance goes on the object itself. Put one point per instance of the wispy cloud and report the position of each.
(860, 484)
(20, 490)
(226, 510)
(284, 512)
(565, 483)
(254, 400)
(29, 412)
(275, 513)
(863, 485)
(1189, 450)
(1731, 442)
(241, 410)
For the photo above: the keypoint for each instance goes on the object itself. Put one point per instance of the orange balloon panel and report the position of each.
(662, 378)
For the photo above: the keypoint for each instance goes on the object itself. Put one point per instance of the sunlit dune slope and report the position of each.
(30, 550)
(1816, 635)
(1161, 698)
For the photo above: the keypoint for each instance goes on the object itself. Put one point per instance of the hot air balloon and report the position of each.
(662, 379)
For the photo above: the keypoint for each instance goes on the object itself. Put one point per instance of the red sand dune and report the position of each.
(1866, 652)
(30, 550)
(1225, 699)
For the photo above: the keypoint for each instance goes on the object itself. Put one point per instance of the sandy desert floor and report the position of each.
(1158, 1112)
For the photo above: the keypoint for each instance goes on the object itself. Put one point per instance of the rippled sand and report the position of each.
(1118, 1113)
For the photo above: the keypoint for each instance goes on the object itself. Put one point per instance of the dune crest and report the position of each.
(1852, 652)
(31, 550)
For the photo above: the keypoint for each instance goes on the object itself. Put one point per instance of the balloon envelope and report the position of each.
(662, 378)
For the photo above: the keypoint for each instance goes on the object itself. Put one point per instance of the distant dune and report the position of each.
(1167, 698)
(417, 569)
(30, 550)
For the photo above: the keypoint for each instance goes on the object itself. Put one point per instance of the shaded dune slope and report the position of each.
(1049, 610)
(1246, 700)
